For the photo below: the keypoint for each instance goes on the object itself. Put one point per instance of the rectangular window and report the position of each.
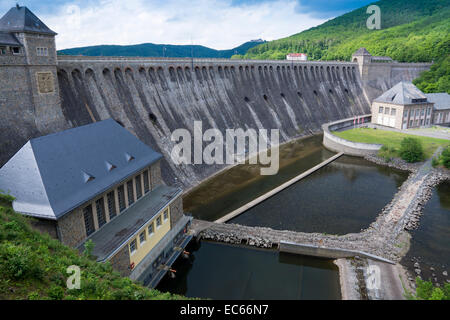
(101, 217)
(422, 112)
(380, 110)
(42, 52)
(142, 237)
(151, 229)
(130, 192)
(112, 205)
(386, 110)
(2, 50)
(138, 186)
(166, 214)
(133, 246)
(146, 182)
(428, 122)
(15, 50)
(410, 123)
(158, 221)
(121, 195)
(417, 112)
(421, 122)
(428, 111)
(88, 220)
(405, 114)
(393, 110)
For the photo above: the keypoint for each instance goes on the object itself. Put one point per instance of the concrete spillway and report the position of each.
(153, 97)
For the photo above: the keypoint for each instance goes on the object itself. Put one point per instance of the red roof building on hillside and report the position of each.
(297, 56)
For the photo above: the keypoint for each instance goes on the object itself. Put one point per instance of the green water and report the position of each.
(220, 271)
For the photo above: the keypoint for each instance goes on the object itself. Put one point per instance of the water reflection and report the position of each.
(233, 188)
(343, 197)
(430, 242)
(221, 271)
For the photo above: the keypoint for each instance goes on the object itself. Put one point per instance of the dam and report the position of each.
(152, 97)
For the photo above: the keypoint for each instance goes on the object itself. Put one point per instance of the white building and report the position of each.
(297, 56)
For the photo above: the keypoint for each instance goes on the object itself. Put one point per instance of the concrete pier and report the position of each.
(274, 191)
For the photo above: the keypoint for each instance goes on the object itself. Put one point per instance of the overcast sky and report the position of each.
(219, 24)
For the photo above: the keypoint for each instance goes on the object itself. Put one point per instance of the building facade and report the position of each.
(99, 183)
(297, 56)
(404, 106)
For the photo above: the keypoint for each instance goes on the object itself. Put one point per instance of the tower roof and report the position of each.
(403, 93)
(21, 19)
(362, 52)
(54, 174)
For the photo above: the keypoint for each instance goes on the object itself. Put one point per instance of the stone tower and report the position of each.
(28, 81)
(363, 58)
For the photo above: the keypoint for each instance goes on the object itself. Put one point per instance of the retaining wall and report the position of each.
(337, 144)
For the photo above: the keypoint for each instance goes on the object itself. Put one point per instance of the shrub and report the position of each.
(426, 291)
(445, 156)
(411, 150)
(18, 261)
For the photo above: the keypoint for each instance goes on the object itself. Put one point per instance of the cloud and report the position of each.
(219, 24)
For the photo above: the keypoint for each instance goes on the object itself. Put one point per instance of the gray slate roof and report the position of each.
(402, 93)
(8, 39)
(54, 174)
(362, 52)
(21, 19)
(112, 235)
(441, 100)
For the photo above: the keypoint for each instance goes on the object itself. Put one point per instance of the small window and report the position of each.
(112, 205)
(15, 50)
(380, 110)
(151, 229)
(166, 214)
(130, 192)
(386, 110)
(42, 52)
(101, 217)
(121, 195)
(146, 182)
(158, 221)
(422, 112)
(428, 111)
(421, 122)
(138, 186)
(410, 123)
(133, 246)
(405, 114)
(2, 50)
(142, 237)
(393, 111)
(417, 112)
(88, 220)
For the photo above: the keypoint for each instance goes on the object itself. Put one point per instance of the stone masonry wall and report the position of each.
(176, 211)
(71, 229)
(121, 262)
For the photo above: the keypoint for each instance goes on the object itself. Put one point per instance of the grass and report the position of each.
(34, 265)
(390, 139)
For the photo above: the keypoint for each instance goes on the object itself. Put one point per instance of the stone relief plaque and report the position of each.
(45, 82)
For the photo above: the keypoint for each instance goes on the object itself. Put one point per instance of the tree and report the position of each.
(411, 150)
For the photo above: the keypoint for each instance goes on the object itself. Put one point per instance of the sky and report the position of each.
(218, 24)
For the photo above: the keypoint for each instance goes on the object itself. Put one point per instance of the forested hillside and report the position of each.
(159, 50)
(411, 31)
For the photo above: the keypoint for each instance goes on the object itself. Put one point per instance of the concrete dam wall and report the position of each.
(153, 97)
